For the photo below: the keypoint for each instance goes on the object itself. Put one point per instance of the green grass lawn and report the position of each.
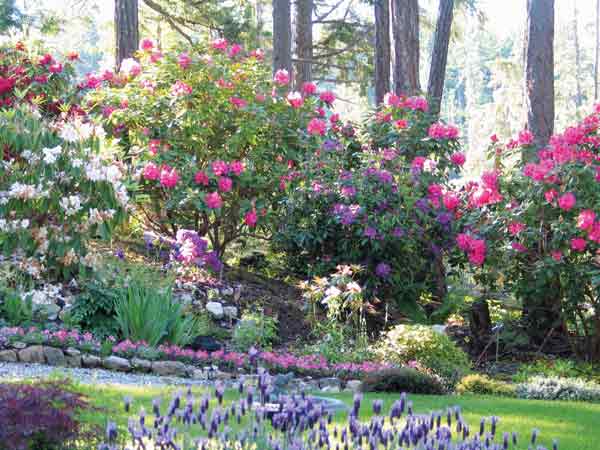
(576, 425)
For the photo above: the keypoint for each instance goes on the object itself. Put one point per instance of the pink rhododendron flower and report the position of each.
(525, 137)
(567, 201)
(551, 195)
(392, 99)
(180, 89)
(578, 244)
(73, 56)
(317, 127)
(458, 158)
(238, 103)
(151, 172)
(184, 61)
(556, 255)
(514, 228)
(219, 44)
(327, 97)
(155, 57)
(169, 177)
(225, 184)
(147, 45)
(55, 68)
(258, 54)
(401, 124)
(309, 88)
(295, 99)
(260, 98)
(154, 146)
(451, 201)
(594, 233)
(220, 168)
(518, 247)
(439, 131)
(251, 218)
(234, 50)
(213, 200)
(494, 138)
(130, 67)
(282, 77)
(334, 118)
(586, 219)
(416, 104)
(236, 167)
(201, 178)
(47, 59)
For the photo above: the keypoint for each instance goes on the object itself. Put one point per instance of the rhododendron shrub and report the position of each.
(545, 229)
(56, 193)
(212, 135)
(388, 206)
(37, 78)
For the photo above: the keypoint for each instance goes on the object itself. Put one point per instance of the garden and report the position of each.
(206, 246)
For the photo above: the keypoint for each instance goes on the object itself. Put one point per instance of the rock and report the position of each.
(215, 309)
(19, 345)
(185, 298)
(199, 374)
(91, 361)
(62, 315)
(331, 384)
(116, 363)
(205, 343)
(231, 312)
(169, 368)
(440, 329)
(50, 311)
(72, 352)
(222, 376)
(353, 386)
(33, 354)
(8, 356)
(74, 361)
(142, 365)
(54, 356)
(227, 292)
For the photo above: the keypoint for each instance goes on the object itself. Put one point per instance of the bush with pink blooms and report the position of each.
(387, 205)
(543, 219)
(37, 78)
(212, 137)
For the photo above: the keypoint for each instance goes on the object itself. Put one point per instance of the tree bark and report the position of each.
(539, 72)
(127, 35)
(304, 41)
(382, 49)
(405, 25)
(282, 36)
(439, 57)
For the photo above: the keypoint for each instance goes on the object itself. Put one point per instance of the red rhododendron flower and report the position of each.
(556, 255)
(550, 195)
(401, 124)
(238, 103)
(169, 177)
(451, 201)
(220, 168)
(515, 228)
(236, 167)
(525, 137)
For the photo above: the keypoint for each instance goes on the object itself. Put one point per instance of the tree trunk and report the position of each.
(282, 36)
(382, 49)
(439, 57)
(480, 324)
(578, 94)
(539, 72)
(405, 18)
(304, 41)
(127, 36)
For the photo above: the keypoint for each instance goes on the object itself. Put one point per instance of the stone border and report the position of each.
(72, 357)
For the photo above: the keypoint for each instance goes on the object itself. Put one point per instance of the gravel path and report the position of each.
(20, 371)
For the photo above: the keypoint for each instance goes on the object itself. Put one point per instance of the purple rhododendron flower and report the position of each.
(383, 270)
